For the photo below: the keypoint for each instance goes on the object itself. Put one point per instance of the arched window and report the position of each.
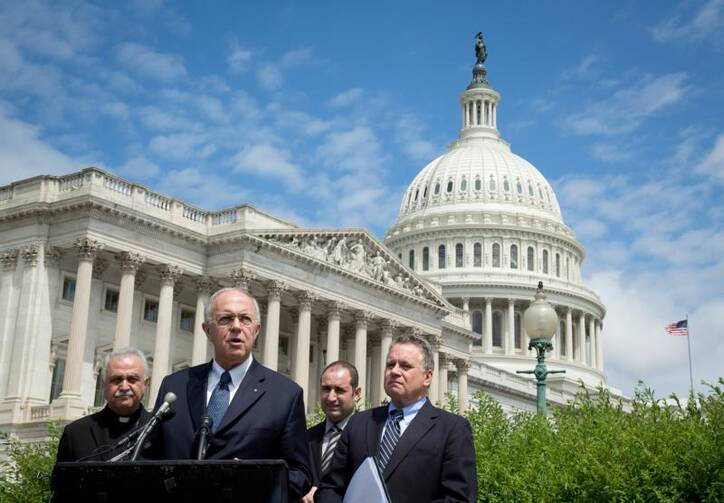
(497, 329)
(437, 189)
(478, 184)
(491, 184)
(412, 259)
(426, 259)
(449, 186)
(441, 257)
(463, 185)
(477, 255)
(558, 265)
(459, 255)
(496, 255)
(545, 261)
(516, 333)
(506, 185)
(478, 322)
(568, 268)
(424, 192)
(399, 256)
(531, 259)
(417, 193)
(530, 190)
(513, 256)
(519, 187)
(562, 337)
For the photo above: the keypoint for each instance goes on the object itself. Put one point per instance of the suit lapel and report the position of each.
(316, 440)
(374, 430)
(196, 392)
(250, 390)
(423, 422)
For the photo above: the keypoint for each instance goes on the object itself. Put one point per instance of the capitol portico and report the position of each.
(92, 262)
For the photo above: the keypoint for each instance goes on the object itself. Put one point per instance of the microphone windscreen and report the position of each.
(169, 397)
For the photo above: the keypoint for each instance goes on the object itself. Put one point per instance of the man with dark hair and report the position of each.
(423, 453)
(339, 393)
(125, 376)
(255, 412)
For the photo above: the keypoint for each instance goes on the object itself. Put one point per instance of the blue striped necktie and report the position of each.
(333, 437)
(219, 401)
(390, 438)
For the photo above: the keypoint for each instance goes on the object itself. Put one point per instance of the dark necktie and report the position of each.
(333, 435)
(389, 439)
(219, 401)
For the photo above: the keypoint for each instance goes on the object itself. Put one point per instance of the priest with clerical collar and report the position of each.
(91, 438)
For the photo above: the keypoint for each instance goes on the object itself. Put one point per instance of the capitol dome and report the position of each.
(483, 225)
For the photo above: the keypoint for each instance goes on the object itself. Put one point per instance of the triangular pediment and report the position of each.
(354, 253)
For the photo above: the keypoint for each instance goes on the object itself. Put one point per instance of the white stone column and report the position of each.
(129, 264)
(376, 369)
(466, 306)
(300, 365)
(510, 338)
(73, 379)
(442, 390)
(434, 393)
(488, 325)
(569, 334)
(581, 355)
(387, 327)
(8, 306)
(599, 347)
(360, 348)
(524, 337)
(333, 315)
(199, 348)
(592, 339)
(271, 336)
(462, 371)
(162, 349)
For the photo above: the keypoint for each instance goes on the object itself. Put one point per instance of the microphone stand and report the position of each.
(204, 435)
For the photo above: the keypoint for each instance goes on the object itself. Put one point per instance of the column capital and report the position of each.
(334, 309)
(414, 331)
(9, 259)
(511, 302)
(53, 256)
(361, 318)
(204, 284)
(442, 359)
(435, 341)
(130, 262)
(31, 254)
(99, 267)
(275, 289)
(170, 274)
(462, 365)
(488, 300)
(305, 300)
(241, 278)
(388, 326)
(87, 248)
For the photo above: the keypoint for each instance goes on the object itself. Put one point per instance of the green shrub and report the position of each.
(25, 476)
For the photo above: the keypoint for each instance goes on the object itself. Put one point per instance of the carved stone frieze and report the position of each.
(9, 259)
(356, 254)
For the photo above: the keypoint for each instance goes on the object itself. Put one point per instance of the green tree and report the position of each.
(25, 475)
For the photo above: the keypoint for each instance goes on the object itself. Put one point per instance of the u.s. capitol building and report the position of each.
(90, 261)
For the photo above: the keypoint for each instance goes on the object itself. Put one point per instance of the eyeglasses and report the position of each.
(227, 319)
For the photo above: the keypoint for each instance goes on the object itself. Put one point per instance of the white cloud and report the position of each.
(357, 150)
(163, 120)
(610, 152)
(203, 189)
(713, 163)
(140, 168)
(239, 58)
(150, 63)
(409, 133)
(296, 57)
(627, 108)
(177, 146)
(268, 161)
(269, 77)
(586, 68)
(704, 23)
(24, 154)
(346, 98)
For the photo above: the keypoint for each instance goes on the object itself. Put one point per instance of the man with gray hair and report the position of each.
(125, 376)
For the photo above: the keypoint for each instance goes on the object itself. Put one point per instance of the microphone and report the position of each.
(165, 407)
(204, 434)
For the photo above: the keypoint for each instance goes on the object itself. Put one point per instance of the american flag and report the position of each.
(678, 328)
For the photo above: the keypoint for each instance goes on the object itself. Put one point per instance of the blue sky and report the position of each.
(323, 112)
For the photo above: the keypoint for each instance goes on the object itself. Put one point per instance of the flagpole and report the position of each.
(688, 342)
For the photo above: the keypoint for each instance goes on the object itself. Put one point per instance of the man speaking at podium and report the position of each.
(423, 453)
(255, 413)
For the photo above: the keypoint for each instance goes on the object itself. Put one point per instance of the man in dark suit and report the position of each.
(124, 375)
(339, 393)
(256, 413)
(424, 453)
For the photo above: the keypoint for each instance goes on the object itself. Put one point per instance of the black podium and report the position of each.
(173, 481)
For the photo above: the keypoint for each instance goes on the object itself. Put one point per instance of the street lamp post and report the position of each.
(540, 321)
